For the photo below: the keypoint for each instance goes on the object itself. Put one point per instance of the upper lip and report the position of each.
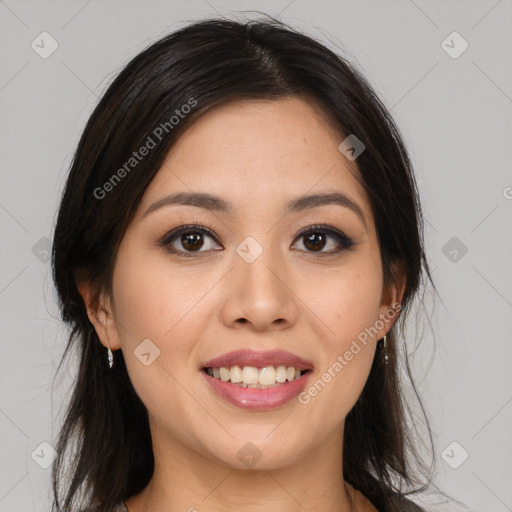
(259, 359)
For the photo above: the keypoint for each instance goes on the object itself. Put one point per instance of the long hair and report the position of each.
(184, 75)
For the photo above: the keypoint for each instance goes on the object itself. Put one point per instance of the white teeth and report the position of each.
(267, 376)
(224, 374)
(236, 374)
(281, 374)
(252, 377)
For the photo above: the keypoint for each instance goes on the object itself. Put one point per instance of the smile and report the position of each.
(255, 378)
(256, 396)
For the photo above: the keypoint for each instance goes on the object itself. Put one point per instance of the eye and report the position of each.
(315, 239)
(190, 237)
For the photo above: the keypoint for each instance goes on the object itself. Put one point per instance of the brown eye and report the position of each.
(192, 241)
(315, 241)
(187, 240)
(316, 238)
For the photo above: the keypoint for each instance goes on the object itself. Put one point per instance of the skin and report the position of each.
(258, 155)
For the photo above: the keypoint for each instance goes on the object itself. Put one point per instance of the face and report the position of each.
(259, 275)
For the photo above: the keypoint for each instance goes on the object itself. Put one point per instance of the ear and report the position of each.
(391, 301)
(99, 311)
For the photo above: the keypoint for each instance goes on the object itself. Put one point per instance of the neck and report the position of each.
(186, 480)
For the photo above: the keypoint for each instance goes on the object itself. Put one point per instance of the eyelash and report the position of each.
(344, 242)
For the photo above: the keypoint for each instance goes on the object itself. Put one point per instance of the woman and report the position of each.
(238, 235)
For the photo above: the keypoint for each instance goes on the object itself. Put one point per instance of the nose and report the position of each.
(260, 294)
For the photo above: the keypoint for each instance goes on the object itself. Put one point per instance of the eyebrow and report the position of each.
(217, 204)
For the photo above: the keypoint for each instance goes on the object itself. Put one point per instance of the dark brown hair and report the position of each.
(203, 65)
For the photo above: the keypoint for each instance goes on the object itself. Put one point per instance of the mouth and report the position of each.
(256, 378)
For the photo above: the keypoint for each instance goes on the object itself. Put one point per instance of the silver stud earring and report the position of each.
(384, 348)
(110, 356)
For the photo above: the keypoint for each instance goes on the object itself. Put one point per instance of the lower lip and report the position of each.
(255, 398)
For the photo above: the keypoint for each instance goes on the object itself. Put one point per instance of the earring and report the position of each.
(384, 347)
(110, 356)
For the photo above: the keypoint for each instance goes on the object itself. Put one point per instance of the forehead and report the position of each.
(266, 151)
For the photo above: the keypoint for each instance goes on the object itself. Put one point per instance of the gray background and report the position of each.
(455, 115)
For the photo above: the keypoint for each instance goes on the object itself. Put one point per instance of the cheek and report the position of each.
(347, 302)
(348, 306)
(152, 298)
(152, 304)
(165, 305)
